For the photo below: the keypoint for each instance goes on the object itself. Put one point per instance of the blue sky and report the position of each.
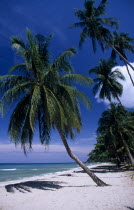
(45, 17)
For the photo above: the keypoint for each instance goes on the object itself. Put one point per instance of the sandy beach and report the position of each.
(72, 191)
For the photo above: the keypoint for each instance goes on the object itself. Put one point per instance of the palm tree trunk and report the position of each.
(85, 168)
(119, 99)
(121, 56)
(131, 158)
(129, 73)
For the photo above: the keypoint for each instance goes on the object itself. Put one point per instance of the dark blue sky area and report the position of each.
(45, 17)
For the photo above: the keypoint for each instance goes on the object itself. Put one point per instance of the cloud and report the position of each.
(127, 97)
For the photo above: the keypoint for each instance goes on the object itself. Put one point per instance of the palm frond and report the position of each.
(35, 104)
(89, 9)
(12, 95)
(83, 98)
(52, 102)
(9, 81)
(101, 8)
(62, 62)
(80, 14)
(116, 74)
(96, 88)
(77, 78)
(111, 21)
(17, 119)
(17, 43)
(44, 129)
(83, 36)
(79, 25)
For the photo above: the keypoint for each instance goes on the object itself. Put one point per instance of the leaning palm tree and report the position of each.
(95, 26)
(106, 81)
(44, 96)
(122, 42)
(118, 126)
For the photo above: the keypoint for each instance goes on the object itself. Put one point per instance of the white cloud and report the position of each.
(127, 97)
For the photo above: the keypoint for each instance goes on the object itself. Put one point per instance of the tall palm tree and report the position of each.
(106, 81)
(122, 42)
(118, 128)
(44, 96)
(96, 27)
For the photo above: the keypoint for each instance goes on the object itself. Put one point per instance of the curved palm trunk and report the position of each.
(131, 158)
(121, 56)
(129, 73)
(119, 99)
(85, 168)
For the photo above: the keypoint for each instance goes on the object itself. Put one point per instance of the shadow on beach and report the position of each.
(129, 207)
(26, 186)
(107, 169)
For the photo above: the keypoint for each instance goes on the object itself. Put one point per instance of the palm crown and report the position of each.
(122, 42)
(43, 92)
(93, 25)
(106, 82)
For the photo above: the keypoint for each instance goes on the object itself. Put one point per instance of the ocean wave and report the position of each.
(7, 169)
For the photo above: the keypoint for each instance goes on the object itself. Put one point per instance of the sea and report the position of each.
(22, 171)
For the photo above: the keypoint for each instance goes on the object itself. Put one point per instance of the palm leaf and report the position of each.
(62, 61)
(35, 104)
(83, 98)
(77, 78)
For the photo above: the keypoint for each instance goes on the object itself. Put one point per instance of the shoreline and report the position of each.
(47, 175)
(72, 189)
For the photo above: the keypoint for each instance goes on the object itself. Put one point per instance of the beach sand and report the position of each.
(72, 191)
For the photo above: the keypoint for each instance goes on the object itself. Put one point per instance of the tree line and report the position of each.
(115, 136)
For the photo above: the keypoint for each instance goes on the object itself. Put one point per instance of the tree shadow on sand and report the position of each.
(106, 169)
(130, 207)
(24, 187)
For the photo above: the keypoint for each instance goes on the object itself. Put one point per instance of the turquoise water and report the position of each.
(9, 172)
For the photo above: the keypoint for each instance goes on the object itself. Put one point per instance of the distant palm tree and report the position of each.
(44, 96)
(122, 42)
(106, 81)
(93, 26)
(118, 126)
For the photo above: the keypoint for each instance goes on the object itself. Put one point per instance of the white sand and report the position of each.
(75, 192)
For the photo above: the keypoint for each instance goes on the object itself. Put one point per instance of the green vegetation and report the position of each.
(122, 42)
(106, 82)
(115, 136)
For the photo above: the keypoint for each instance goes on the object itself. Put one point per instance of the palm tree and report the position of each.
(107, 149)
(44, 96)
(106, 82)
(118, 128)
(93, 26)
(122, 42)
